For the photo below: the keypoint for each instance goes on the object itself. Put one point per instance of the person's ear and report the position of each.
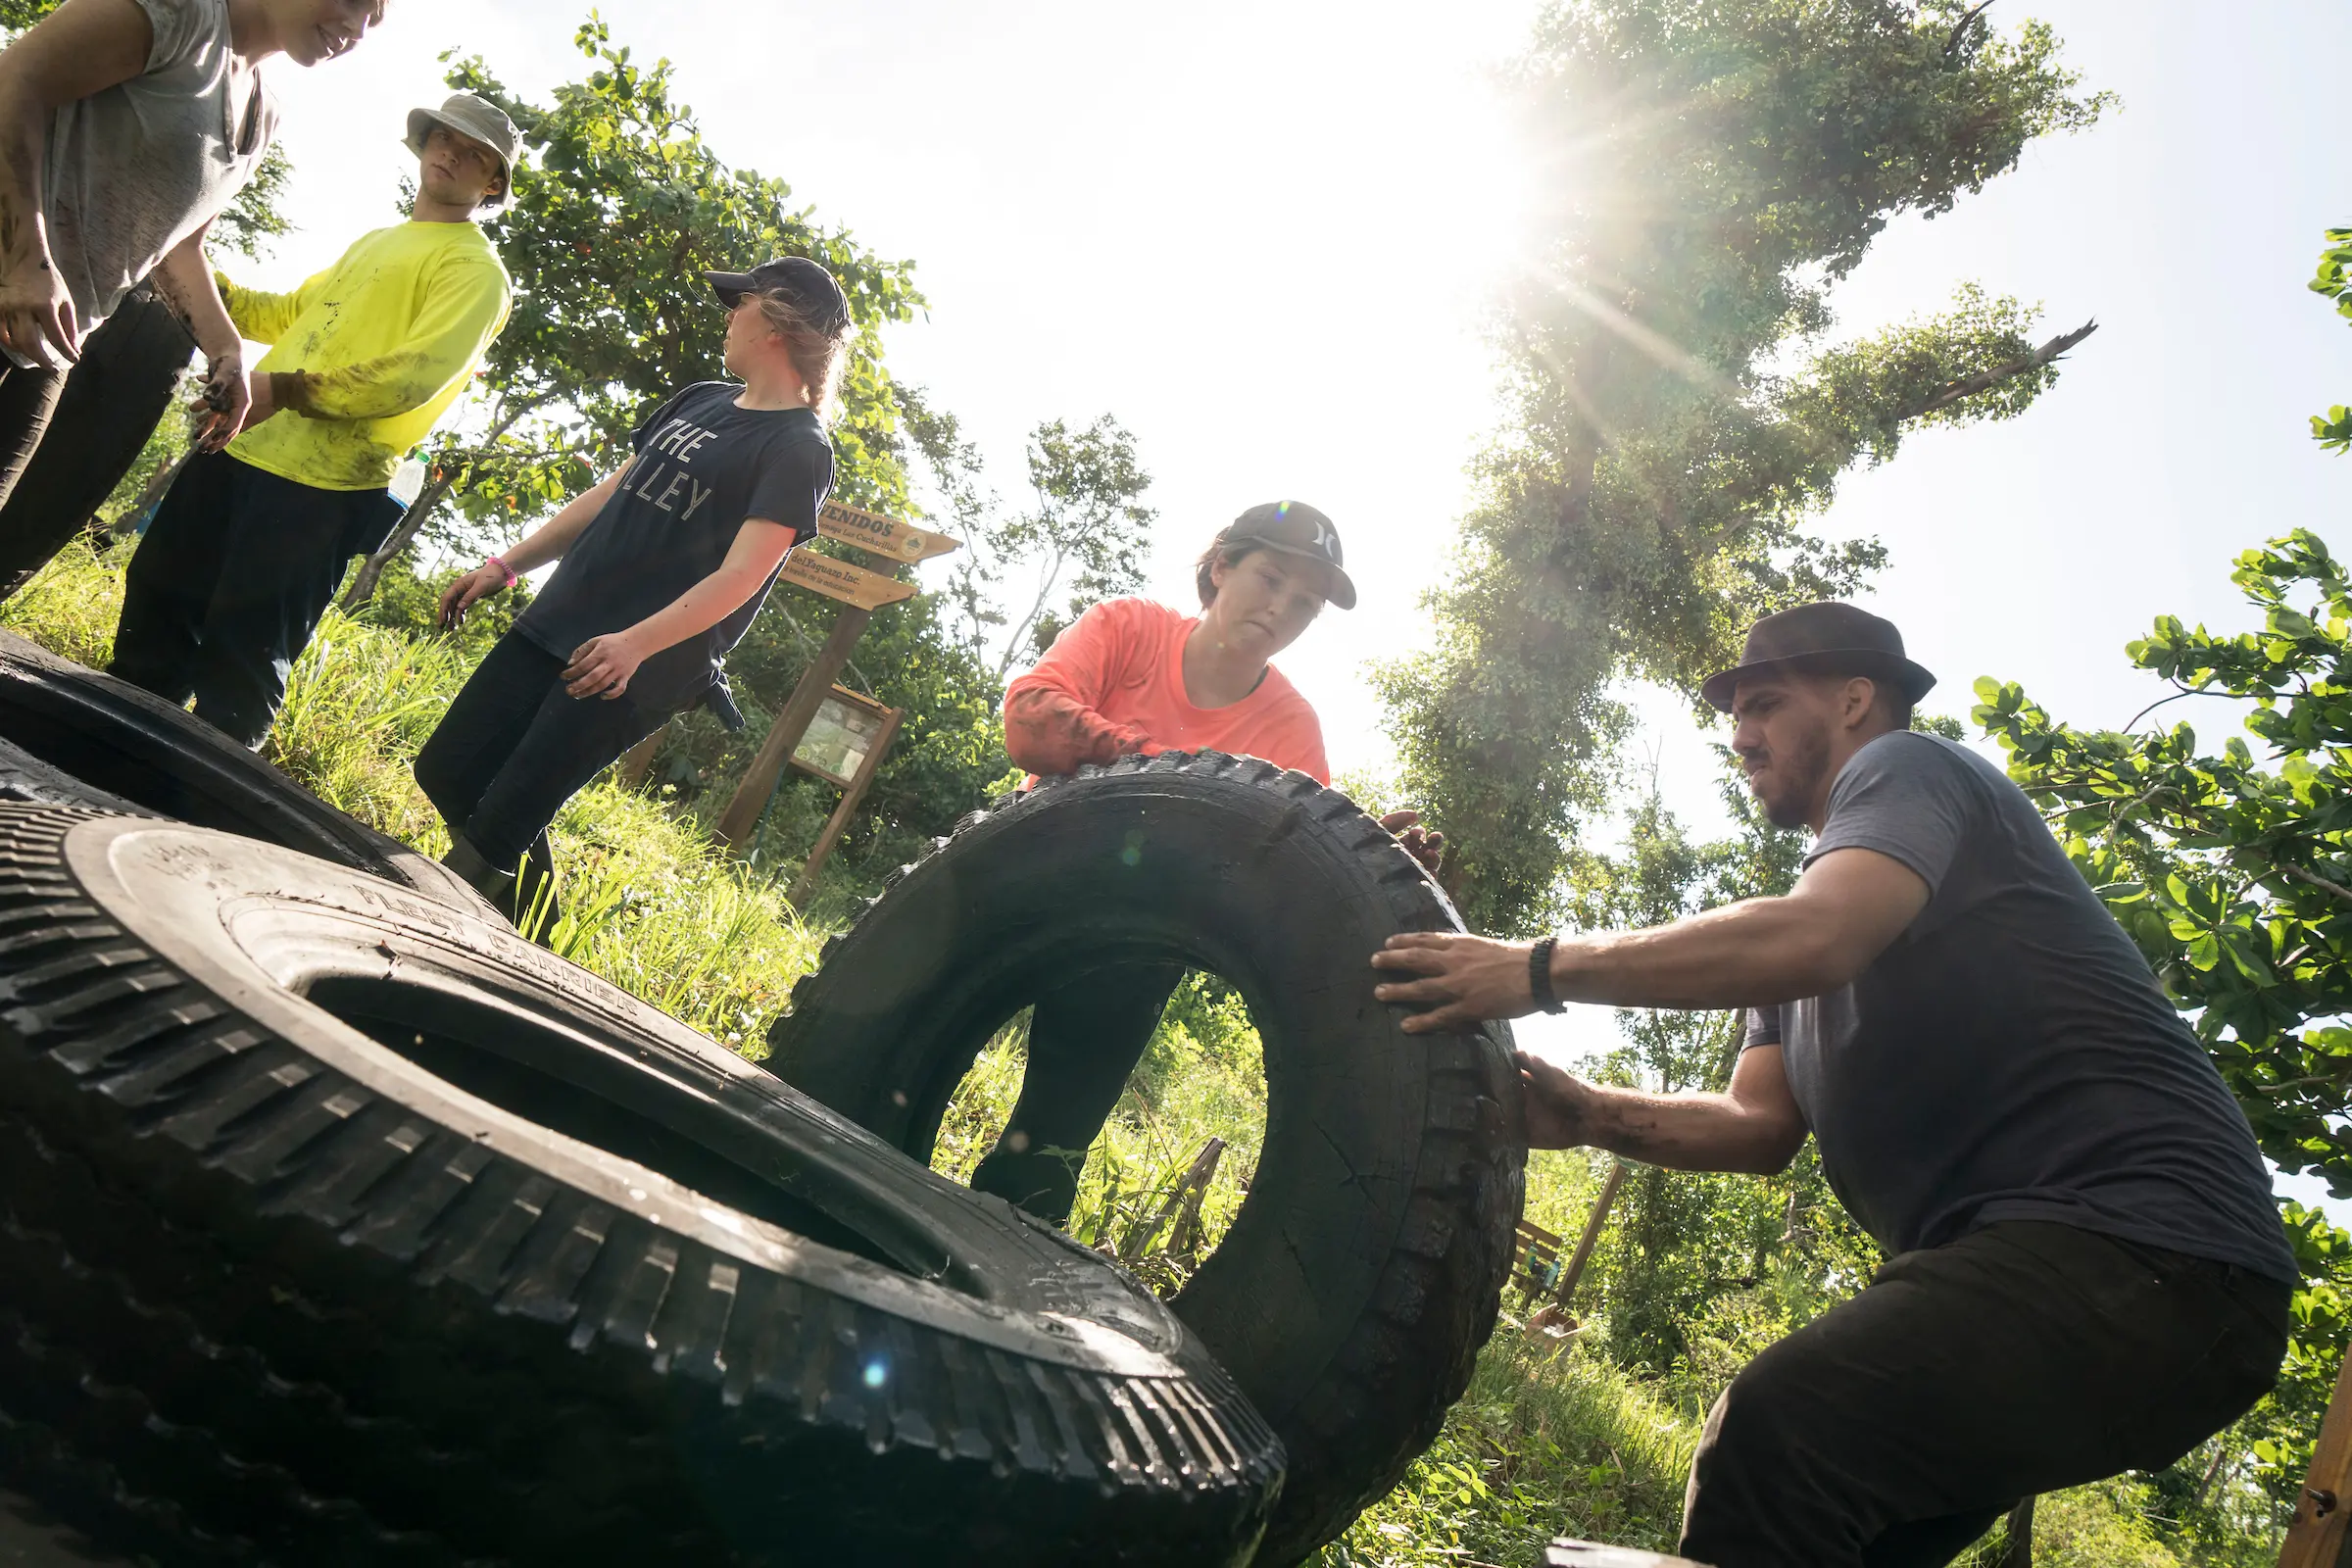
(1218, 570)
(1861, 696)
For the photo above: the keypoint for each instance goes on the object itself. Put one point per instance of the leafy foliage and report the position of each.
(1087, 530)
(1677, 418)
(2333, 429)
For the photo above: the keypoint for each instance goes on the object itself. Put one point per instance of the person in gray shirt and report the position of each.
(2086, 1271)
(126, 126)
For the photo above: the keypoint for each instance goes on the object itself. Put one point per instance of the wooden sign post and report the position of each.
(2318, 1536)
(860, 592)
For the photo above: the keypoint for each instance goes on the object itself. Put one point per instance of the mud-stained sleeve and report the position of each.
(463, 311)
(1051, 723)
(261, 317)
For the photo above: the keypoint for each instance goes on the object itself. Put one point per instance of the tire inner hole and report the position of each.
(608, 1101)
(1149, 1189)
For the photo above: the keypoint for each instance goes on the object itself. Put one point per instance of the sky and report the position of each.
(1264, 236)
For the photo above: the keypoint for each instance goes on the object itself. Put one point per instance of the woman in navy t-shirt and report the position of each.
(664, 564)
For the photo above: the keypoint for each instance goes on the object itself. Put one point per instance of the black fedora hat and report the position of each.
(1822, 639)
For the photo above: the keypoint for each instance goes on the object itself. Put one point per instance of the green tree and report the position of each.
(1086, 533)
(618, 209)
(1678, 416)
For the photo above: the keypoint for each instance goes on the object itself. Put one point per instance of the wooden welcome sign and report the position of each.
(838, 579)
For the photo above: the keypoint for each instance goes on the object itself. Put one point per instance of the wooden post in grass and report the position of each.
(1585, 1242)
(742, 818)
(2317, 1539)
(637, 759)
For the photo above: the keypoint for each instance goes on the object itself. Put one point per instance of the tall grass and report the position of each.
(70, 605)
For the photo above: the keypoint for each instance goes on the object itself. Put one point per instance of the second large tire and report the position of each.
(338, 1226)
(124, 742)
(1363, 1271)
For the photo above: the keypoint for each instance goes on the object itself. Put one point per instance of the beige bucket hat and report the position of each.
(473, 117)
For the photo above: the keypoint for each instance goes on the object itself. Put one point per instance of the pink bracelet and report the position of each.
(499, 564)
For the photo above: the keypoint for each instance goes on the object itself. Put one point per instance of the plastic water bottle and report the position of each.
(408, 481)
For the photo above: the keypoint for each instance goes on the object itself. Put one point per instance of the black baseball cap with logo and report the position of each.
(798, 278)
(1295, 528)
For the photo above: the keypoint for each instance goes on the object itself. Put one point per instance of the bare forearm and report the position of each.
(699, 609)
(1684, 1132)
(23, 126)
(552, 538)
(1749, 954)
(185, 278)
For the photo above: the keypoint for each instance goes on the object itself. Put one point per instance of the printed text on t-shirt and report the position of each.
(677, 440)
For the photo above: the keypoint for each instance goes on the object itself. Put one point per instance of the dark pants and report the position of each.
(1894, 1428)
(109, 404)
(514, 746)
(27, 399)
(229, 583)
(1085, 1037)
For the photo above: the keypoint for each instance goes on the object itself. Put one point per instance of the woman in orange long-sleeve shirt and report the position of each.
(1134, 676)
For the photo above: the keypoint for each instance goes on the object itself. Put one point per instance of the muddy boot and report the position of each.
(493, 884)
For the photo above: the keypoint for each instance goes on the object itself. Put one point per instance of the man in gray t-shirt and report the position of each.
(2086, 1269)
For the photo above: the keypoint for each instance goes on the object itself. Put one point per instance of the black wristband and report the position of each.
(1539, 975)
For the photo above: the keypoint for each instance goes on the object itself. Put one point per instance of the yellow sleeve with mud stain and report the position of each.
(380, 350)
(461, 311)
(261, 317)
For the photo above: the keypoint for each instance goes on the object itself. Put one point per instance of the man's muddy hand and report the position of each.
(1559, 1104)
(225, 403)
(1456, 981)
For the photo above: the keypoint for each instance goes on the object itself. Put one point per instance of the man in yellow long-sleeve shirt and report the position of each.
(249, 546)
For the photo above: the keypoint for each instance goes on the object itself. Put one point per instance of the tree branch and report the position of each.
(371, 571)
(1960, 28)
(1951, 392)
(2312, 877)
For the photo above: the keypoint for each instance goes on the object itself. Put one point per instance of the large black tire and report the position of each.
(132, 744)
(1363, 1271)
(25, 778)
(285, 1278)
